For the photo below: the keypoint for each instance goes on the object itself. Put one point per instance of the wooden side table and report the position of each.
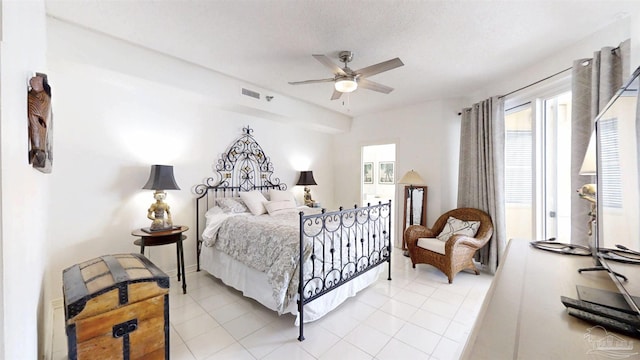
(156, 238)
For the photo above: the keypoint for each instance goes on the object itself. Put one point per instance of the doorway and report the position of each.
(378, 176)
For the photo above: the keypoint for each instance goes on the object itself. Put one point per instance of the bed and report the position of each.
(292, 259)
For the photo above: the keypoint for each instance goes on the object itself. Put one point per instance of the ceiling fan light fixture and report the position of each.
(346, 84)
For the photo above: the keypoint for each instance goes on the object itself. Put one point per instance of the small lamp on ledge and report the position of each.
(306, 179)
(160, 179)
(411, 178)
(588, 191)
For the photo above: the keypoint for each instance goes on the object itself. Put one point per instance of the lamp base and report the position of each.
(308, 200)
(149, 230)
(159, 213)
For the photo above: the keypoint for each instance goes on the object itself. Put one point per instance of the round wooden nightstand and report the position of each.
(164, 237)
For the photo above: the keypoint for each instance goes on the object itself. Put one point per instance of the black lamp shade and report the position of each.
(161, 178)
(306, 178)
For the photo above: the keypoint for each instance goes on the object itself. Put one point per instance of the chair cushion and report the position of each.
(432, 244)
(455, 226)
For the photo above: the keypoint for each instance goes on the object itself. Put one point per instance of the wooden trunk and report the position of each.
(116, 307)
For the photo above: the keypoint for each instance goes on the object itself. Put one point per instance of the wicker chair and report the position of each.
(458, 250)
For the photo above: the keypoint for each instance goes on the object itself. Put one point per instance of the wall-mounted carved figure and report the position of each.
(40, 123)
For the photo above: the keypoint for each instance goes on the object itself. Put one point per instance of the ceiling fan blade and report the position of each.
(330, 64)
(336, 95)
(309, 81)
(380, 67)
(368, 84)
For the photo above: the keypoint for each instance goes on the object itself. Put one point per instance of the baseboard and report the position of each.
(57, 303)
(188, 269)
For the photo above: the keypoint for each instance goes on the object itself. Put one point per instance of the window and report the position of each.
(537, 165)
(518, 172)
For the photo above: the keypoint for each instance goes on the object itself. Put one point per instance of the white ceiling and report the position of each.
(450, 48)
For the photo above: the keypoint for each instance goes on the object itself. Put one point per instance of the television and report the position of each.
(617, 235)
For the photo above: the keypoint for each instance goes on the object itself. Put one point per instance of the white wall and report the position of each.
(635, 40)
(427, 138)
(120, 108)
(25, 191)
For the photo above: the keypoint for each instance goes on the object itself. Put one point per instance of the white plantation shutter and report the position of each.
(610, 163)
(518, 156)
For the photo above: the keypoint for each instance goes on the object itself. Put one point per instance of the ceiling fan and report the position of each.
(347, 80)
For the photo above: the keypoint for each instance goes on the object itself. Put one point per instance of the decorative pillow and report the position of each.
(455, 226)
(280, 207)
(232, 205)
(280, 195)
(254, 200)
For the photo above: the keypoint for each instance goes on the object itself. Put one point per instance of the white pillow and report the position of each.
(254, 200)
(280, 207)
(232, 205)
(213, 211)
(280, 195)
(455, 226)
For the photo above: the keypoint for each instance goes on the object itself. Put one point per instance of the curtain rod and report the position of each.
(613, 50)
(533, 83)
(549, 77)
(541, 80)
(536, 82)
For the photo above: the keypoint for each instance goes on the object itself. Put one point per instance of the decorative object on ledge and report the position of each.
(160, 179)
(243, 167)
(306, 179)
(588, 191)
(561, 248)
(412, 178)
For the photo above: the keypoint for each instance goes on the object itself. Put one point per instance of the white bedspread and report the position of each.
(267, 243)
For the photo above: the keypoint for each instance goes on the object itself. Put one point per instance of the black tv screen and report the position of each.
(618, 183)
(618, 171)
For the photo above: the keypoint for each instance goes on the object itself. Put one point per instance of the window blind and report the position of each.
(518, 145)
(610, 163)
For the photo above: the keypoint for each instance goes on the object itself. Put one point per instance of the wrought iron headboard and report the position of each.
(243, 167)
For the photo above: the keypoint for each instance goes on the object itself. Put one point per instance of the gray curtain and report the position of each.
(481, 173)
(594, 82)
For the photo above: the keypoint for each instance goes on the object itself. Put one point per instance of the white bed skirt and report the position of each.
(254, 284)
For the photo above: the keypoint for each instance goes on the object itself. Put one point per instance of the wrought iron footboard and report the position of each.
(336, 247)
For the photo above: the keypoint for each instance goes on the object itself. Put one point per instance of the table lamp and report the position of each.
(160, 179)
(588, 191)
(306, 179)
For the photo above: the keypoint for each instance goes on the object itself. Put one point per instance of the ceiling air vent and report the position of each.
(251, 93)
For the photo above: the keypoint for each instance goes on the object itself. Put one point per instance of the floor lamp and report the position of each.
(411, 178)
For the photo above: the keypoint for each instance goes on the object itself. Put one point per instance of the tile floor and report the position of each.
(417, 315)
